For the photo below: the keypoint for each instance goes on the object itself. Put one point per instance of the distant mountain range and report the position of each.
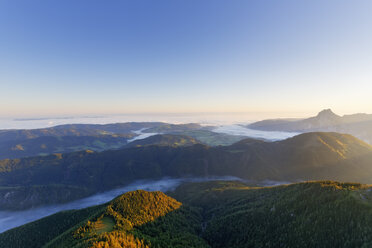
(322, 214)
(58, 178)
(69, 162)
(22, 143)
(75, 130)
(19, 143)
(358, 125)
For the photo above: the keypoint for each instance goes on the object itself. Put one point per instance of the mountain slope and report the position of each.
(213, 214)
(68, 138)
(175, 128)
(311, 214)
(75, 130)
(359, 125)
(165, 140)
(45, 145)
(135, 219)
(78, 137)
(201, 133)
(311, 156)
(324, 120)
(322, 156)
(211, 138)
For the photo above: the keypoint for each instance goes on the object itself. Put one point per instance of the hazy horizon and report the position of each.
(86, 58)
(42, 121)
(27, 122)
(213, 102)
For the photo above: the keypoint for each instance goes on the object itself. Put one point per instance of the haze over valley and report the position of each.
(161, 137)
(173, 124)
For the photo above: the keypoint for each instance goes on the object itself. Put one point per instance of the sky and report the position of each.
(89, 57)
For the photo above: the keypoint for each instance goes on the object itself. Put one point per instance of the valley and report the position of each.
(185, 124)
(309, 156)
(11, 219)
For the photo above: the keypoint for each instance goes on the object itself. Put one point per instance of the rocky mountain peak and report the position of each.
(327, 113)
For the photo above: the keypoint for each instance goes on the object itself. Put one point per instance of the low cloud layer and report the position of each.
(243, 131)
(11, 219)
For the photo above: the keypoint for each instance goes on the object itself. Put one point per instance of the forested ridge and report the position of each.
(311, 156)
(310, 214)
(20, 143)
(213, 214)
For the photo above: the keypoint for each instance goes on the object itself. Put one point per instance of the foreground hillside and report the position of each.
(135, 219)
(213, 214)
(311, 214)
(313, 156)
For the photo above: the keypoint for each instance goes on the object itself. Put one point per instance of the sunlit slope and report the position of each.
(316, 156)
(135, 219)
(311, 156)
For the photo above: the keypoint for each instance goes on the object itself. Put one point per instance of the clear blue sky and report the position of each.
(87, 57)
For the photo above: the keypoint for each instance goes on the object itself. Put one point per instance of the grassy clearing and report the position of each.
(105, 224)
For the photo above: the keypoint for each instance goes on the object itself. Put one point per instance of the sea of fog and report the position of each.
(11, 219)
(43, 122)
(233, 130)
(225, 125)
(141, 135)
(202, 118)
(244, 131)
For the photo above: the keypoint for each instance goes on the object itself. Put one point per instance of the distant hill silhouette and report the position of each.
(19, 143)
(358, 125)
(22, 143)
